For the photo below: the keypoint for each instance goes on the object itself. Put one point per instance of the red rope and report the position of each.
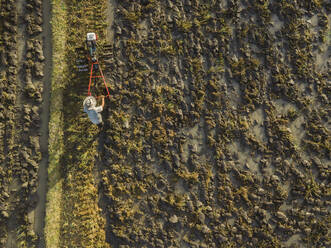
(104, 81)
(102, 76)
(89, 85)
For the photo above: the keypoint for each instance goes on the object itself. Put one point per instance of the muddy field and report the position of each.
(23, 122)
(218, 129)
(216, 134)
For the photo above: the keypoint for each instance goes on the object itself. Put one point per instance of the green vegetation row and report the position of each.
(73, 218)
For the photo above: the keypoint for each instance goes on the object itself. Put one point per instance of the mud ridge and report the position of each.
(103, 203)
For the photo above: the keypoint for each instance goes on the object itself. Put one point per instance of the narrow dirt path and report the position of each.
(39, 217)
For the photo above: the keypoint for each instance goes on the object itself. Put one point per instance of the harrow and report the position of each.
(87, 61)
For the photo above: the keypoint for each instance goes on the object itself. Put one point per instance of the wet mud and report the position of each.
(22, 136)
(218, 126)
(39, 215)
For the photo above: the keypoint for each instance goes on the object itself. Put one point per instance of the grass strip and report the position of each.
(55, 148)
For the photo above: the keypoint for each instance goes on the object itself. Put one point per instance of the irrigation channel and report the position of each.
(39, 218)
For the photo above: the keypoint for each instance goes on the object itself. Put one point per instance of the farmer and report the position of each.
(92, 111)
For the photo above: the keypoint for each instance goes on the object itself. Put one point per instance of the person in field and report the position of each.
(93, 112)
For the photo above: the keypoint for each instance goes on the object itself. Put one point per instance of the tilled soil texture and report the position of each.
(21, 87)
(218, 128)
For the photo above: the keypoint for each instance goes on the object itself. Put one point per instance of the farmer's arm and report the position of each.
(100, 108)
(103, 101)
